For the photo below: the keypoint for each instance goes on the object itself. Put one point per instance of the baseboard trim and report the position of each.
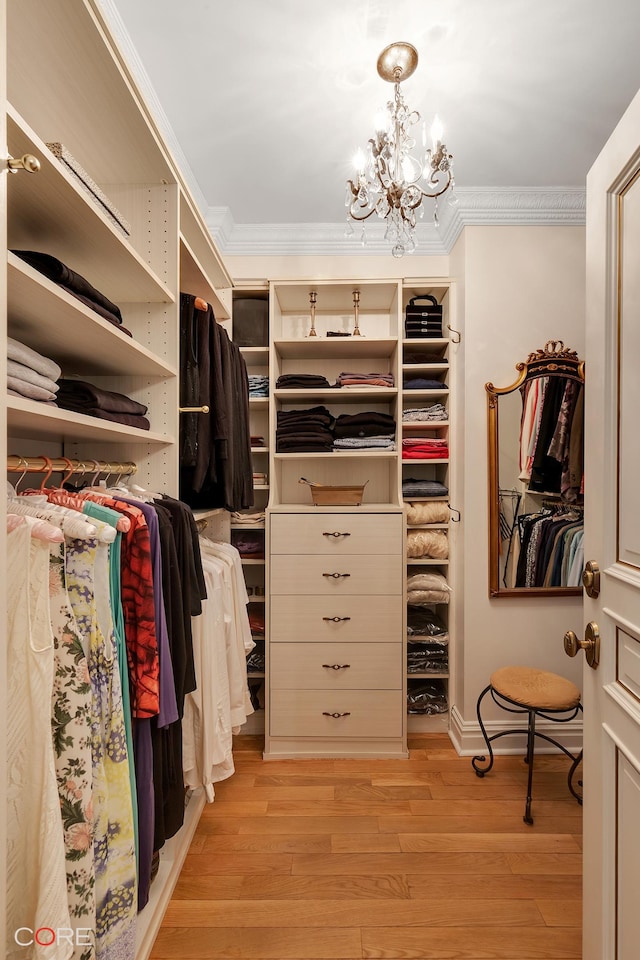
(467, 738)
(172, 857)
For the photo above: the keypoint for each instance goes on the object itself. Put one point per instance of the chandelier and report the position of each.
(389, 180)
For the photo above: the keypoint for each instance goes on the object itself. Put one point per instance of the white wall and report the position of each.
(522, 286)
(517, 287)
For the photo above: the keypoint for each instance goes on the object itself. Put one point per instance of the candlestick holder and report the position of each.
(313, 296)
(356, 312)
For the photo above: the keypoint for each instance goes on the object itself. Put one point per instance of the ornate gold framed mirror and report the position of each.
(536, 477)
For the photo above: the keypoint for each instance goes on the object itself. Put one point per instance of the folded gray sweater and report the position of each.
(21, 353)
(20, 372)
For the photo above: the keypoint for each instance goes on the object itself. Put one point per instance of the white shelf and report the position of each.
(338, 394)
(426, 562)
(311, 508)
(28, 419)
(252, 563)
(195, 235)
(340, 455)
(417, 368)
(259, 449)
(336, 298)
(426, 460)
(63, 76)
(424, 425)
(333, 348)
(247, 526)
(51, 206)
(424, 394)
(427, 526)
(259, 402)
(428, 675)
(195, 280)
(39, 311)
(255, 356)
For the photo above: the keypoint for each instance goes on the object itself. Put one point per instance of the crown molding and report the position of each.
(480, 206)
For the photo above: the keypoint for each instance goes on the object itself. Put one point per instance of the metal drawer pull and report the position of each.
(336, 716)
(336, 666)
(336, 576)
(336, 619)
(336, 533)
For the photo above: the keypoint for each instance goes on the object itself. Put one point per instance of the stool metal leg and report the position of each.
(480, 771)
(531, 736)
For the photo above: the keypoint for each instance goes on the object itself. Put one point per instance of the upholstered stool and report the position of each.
(536, 693)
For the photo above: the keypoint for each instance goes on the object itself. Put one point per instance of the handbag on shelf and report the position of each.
(423, 319)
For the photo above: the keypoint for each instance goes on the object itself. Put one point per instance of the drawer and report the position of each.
(337, 533)
(335, 576)
(335, 666)
(369, 713)
(346, 619)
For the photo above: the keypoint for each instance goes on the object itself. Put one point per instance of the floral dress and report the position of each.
(71, 727)
(114, 849)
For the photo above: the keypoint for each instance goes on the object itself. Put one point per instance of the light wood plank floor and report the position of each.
(345, 859)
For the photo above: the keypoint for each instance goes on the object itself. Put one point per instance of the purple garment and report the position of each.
(143, 755)
(168, 712)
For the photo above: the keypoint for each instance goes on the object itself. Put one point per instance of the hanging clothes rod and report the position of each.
(16, 464)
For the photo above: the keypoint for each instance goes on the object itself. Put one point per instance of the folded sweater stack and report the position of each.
(434, 412)
(82, 397)
(424, 383)
(367, 430)
(413, 487)
(302, 381)
(357, 379)
(307, 431)
(75, 284)
(427, 448)
(31, 375)
(258, 385)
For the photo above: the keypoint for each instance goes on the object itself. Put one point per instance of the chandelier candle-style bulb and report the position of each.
(393, 177)
(313, 296)
(356, 313)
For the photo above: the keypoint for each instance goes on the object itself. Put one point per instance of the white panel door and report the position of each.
(611, 925)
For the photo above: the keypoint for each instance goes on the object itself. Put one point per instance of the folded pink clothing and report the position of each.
(441, 454)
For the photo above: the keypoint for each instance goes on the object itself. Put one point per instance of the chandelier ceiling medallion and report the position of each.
(390, 181)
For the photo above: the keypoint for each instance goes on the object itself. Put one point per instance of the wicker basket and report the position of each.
(335, 496)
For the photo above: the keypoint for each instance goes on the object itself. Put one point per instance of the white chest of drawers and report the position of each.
(336, 629)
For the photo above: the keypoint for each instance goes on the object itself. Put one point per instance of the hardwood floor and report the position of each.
(343, 859)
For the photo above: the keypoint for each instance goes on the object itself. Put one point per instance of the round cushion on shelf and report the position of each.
(535, 688)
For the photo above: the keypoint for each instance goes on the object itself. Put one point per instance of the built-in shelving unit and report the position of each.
(68, 83)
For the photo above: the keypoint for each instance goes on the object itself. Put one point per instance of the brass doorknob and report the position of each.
(591, 579)
(590, 644)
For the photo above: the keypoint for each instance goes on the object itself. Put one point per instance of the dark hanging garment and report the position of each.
(189, 380)
(546, 471)
(167, 741)
(215, 461)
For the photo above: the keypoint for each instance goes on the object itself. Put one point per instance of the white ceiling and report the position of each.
(269, 99)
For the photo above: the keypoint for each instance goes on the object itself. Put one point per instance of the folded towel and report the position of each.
(420, 513)
(21, 353)
(29, 375)
(29, 390)
(424, 383)
(82, 395)
(427, 543)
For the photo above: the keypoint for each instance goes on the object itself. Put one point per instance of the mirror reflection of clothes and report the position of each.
(547, 549)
